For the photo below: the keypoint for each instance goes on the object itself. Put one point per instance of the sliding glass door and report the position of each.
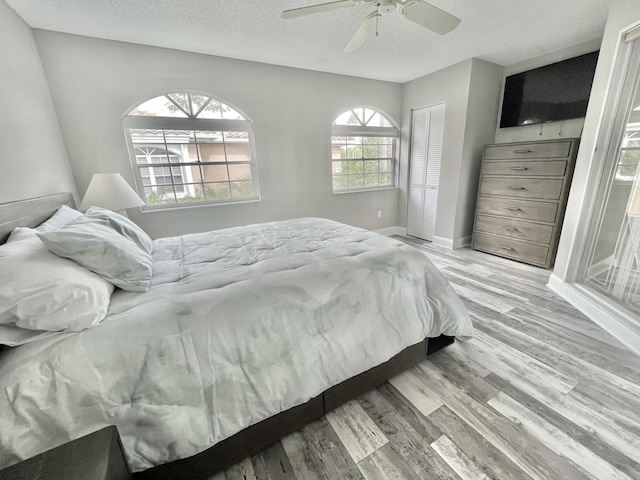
(611, 264)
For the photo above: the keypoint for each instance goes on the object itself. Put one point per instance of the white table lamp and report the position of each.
(111, 191)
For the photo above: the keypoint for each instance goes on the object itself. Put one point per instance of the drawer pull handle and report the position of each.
(523, 151)
(510, 249)
(514, 209)
(517, 188)
(519, 168)
(511, 229)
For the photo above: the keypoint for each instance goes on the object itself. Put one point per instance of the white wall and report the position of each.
(33, 156)
(94, 82)
(471, 90)
(551, 130)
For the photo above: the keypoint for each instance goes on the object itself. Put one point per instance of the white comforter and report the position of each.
(239, 324)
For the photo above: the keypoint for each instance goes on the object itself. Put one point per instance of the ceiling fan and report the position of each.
(418, 11)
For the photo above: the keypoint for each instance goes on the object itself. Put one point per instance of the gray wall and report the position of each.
(450, 85)
(33, 157)
(482, 114)
(471, 90)
(94, 82)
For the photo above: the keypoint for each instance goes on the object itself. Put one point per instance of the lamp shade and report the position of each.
(109, 190)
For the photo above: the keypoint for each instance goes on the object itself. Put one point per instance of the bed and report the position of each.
(245, 335)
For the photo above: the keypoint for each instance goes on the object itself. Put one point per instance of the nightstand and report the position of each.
(97, 456)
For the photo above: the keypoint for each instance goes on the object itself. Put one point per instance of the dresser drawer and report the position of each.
(537, 211)
(552, 168)
(528, 150)
(549, 189)
(511, 248)
(533, 232)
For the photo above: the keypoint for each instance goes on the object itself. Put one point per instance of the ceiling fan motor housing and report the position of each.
(386, 6)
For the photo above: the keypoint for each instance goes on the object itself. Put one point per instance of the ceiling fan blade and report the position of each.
(323, 7)
(430, 17)
(363, 32)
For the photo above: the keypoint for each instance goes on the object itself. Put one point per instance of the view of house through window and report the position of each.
(191, 149)
(363, 146)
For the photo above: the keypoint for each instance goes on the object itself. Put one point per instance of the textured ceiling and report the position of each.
(500, 31)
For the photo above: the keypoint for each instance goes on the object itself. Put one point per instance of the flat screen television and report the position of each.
(559, 91)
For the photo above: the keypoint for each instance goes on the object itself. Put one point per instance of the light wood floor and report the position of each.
(541, 392)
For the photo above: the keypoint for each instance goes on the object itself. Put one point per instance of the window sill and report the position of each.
(363, 190)
(196, 205)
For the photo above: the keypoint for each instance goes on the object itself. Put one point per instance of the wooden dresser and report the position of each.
(522, 198)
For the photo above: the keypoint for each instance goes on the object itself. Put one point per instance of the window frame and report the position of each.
(363, 130)
(190, 124)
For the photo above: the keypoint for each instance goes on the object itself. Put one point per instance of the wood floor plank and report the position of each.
(485, 456)
(577, 408)
(623, 402)
(620, 432)
(582, 342)
(558, 441)
(408, 384)
(571, 365)
(530, 455)
(409, 413)
(464, 373)
(405, 441)
(457, 460)
(316, 452)
(526, 291)
(273, 464)
(493, 302)
(524, 371)
(584, 436)
(486, 286)
(385, 464)
(358, 433)
(601, 354)
(241, 471)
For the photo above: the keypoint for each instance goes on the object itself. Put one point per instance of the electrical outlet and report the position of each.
(379, 214)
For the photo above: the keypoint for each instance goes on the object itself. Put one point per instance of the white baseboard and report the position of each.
(452, 244)
(392, 231)
(443, 242)
(462, 242)
(603, 313)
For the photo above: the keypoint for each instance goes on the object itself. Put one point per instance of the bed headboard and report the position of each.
(31, 212)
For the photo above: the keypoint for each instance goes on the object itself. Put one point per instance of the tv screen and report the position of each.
(559, 91)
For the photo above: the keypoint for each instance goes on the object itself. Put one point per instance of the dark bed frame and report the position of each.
(32, 212)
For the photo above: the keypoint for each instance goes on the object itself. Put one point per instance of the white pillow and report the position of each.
(62, 216)
(41, 291)
(108, 244)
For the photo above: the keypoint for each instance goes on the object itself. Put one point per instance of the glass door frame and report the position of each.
(614, 129)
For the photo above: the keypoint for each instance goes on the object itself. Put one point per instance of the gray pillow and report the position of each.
(107, 244)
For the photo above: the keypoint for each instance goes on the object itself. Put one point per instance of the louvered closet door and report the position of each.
(427, 132)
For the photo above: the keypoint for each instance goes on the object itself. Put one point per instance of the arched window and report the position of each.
(363, 151)
(191, 149)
